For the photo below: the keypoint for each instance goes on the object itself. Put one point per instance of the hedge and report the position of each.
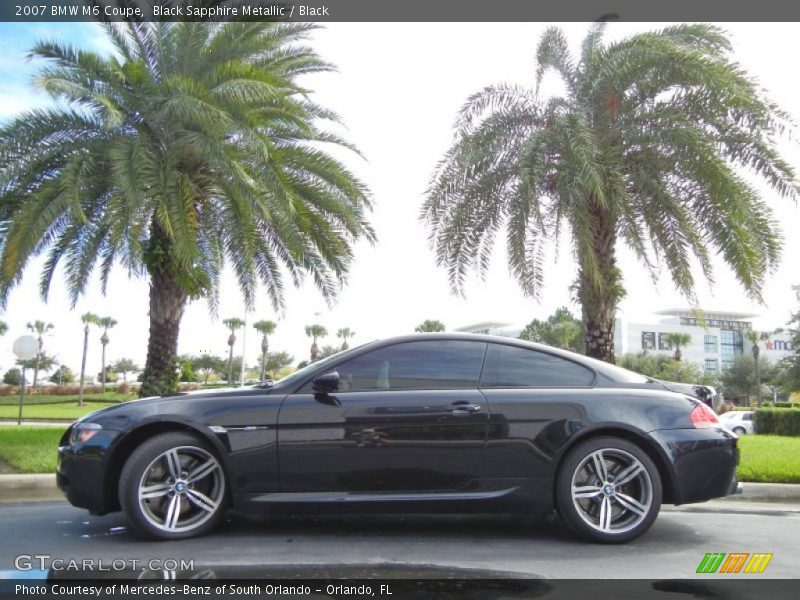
(780, 421)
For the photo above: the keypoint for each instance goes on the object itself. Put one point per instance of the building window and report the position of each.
(711, 344)
(731, 345)
(648, 340)
(711, 365)
(663, 344)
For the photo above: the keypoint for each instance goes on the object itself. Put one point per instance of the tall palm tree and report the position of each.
(39, 328)
(429, 325)
(234, 324)
(192, 144)
(755, 337)
(105, 323)
(344, 334)
(646, 147)
(87, 319)
(315, 332)
(265, 328)
(678, 341)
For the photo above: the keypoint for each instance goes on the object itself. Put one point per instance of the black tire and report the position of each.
(739, 430)
(641, 495)
(148, 461)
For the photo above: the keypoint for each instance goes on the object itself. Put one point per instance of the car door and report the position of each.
(406, 418)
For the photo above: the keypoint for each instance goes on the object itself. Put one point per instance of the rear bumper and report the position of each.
(703, 460)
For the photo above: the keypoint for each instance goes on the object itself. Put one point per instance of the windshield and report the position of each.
(301, 374)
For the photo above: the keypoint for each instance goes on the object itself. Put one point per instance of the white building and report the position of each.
(717, 337)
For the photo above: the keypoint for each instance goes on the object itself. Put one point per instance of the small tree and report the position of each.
(277, 361)
(233, 324)
(344, 334)
(63, 375)
(328, 350)
(430, 326)
(207, 365)
(561, 329)
(755, 337)
(13, 377)
(107, 376)
(125, 366)
(315, 332)
(39, 328)
(678, 341)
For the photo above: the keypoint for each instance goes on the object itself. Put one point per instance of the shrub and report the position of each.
(123, 388)
(780, 421)
(13, 377)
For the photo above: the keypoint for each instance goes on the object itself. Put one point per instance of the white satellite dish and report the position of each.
(26, 347)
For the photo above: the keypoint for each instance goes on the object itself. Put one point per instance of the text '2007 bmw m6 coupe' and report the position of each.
(465, 422)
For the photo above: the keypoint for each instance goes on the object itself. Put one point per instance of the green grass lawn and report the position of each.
(30, 449)
(13, 400)
(43, 412)
(769, 459)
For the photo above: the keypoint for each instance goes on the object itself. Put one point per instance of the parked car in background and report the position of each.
(739, 421)
(448, 420)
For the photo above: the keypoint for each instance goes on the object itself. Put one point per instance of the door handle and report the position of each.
(464, 408)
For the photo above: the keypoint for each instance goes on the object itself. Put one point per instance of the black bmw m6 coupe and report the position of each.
(431, 421)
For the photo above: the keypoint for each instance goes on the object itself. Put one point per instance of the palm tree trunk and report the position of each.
(83, 363)
(757, 371)
(230, 364)
(167, 303)
(36, 369)
(599, 295)
(264, 350)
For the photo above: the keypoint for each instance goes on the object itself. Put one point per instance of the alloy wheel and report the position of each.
(181, 489)
(612, 491)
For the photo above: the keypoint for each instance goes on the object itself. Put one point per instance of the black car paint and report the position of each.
(281, 446)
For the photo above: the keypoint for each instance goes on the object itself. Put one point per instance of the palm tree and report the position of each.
(234, 324)
(678, 341)
(646, 147)
(105, 323)
(87, 319)
(265, 328)
(3, 327)
(565, 332)
(429, 326)
(39, 328)
(755, 337)
(344, 334)
(191, 144)
(315, 332)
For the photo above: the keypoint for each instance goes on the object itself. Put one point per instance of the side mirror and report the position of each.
(326, 383)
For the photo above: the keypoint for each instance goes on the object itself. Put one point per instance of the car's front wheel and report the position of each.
(608, 490)
(172, 487)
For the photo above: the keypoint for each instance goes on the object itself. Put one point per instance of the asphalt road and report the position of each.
(416, 545)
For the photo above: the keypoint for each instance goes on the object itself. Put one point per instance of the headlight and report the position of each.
(83, 432)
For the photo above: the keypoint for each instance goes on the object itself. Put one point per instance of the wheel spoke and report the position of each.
(173, 463)
(586, 491)
(173, 512)
(202, 470)
(154, 491)
(631, 504)
(605, 514)
(600, 466)
(629, 474)
(201, 500)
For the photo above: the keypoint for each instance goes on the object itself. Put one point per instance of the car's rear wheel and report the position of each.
(172, 487)
(608, 490)
(739, 430)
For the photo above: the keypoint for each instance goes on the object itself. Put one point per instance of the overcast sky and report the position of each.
(398, 88)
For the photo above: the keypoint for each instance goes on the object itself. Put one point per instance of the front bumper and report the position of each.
(81, 472)
(704, 462)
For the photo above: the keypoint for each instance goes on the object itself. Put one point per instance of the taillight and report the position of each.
(703, 417)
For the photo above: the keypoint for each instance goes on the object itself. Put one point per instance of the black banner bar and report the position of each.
(329, 11)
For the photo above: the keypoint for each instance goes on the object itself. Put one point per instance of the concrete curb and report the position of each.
(33, 488)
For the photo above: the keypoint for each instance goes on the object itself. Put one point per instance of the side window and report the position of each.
(510, 366)
(430, 365)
